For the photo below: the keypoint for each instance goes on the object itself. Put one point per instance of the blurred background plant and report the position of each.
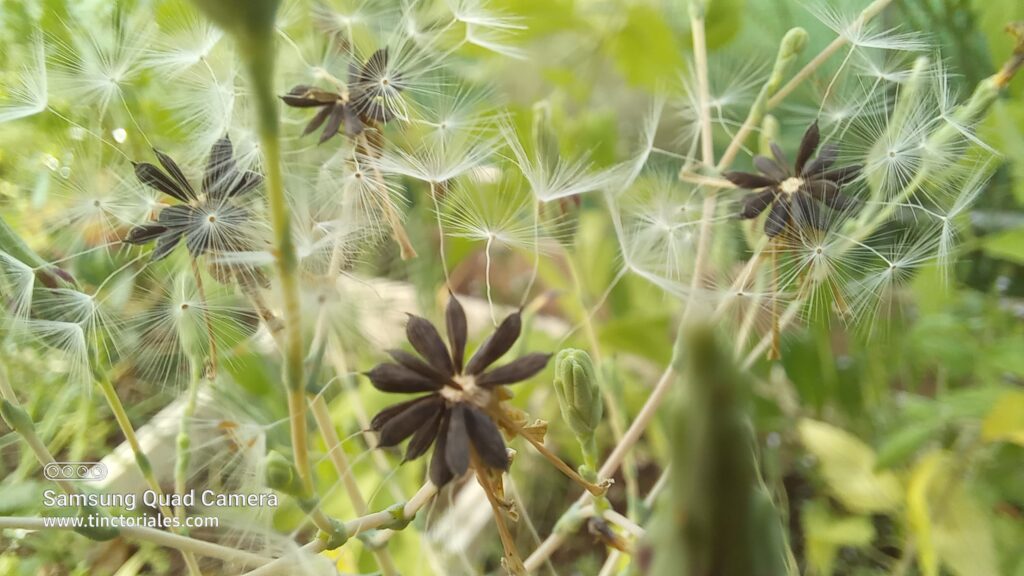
(557, 156)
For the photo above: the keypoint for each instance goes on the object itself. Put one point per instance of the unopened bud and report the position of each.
(579, 396)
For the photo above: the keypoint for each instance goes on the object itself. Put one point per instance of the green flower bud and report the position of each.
(579, 396)
(16, 417)
(282, 476)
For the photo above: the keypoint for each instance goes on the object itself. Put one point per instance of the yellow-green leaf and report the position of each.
(848, 466)
(1005, 422)
(948, 526)
(826, 533)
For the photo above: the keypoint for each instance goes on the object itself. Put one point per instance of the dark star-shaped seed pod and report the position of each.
(794, 195)
(455, 415)
(370, 86)
(210, 221)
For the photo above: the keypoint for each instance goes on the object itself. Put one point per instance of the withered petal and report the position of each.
(151, 176)
(405, 423)
(486, 439)
(808, 144)
(175, 172)
(778, 218)
(518, 370)
(427, 341)
(496, 345)
(424, 436)
(389, 377)
(754, 204)
(770, 168)
(456, 450)
(749, 181)
(439, 472)
(455, 322)
(144, 233)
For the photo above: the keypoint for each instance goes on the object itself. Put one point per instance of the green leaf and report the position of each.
(848, 466)
(1008, 245)
(1006, 420)
(645, 48)
(948, 526)
(826, 533)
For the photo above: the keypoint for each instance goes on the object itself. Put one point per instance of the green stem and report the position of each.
(260, 56)
(141, 460)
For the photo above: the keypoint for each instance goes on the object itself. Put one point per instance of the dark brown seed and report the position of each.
(414, 363)
(300, 97)
(486, 438)
(770, 168)
(843, 175)
(808, 144)
(807, 212)
(496, 345)
(180, 216)
(439, 472)
(423, 437)
(780, 156)
(748, 180)
(353, 125)
(517, 370)
(175, 172)
(390, 412)
(245, 182)
(827, 192)
(333, 123)
(220, 167)
(164, 246)
(317, 120)
(778, 218)
(455, 322)
(389, 377)
(407, 422)
(427, 341)
(825, 159)
(754, 204)
(152, 176)
(457, 441)
(144, 233)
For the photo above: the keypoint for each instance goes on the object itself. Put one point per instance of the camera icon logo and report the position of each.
(75, 471)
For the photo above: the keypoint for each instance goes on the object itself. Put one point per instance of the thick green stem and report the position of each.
(260, 55)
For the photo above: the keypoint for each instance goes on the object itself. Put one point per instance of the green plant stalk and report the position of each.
(866, 15)
(259, 56)
(792, 45)
(184, 439)
(141, 460)
(322, 416)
